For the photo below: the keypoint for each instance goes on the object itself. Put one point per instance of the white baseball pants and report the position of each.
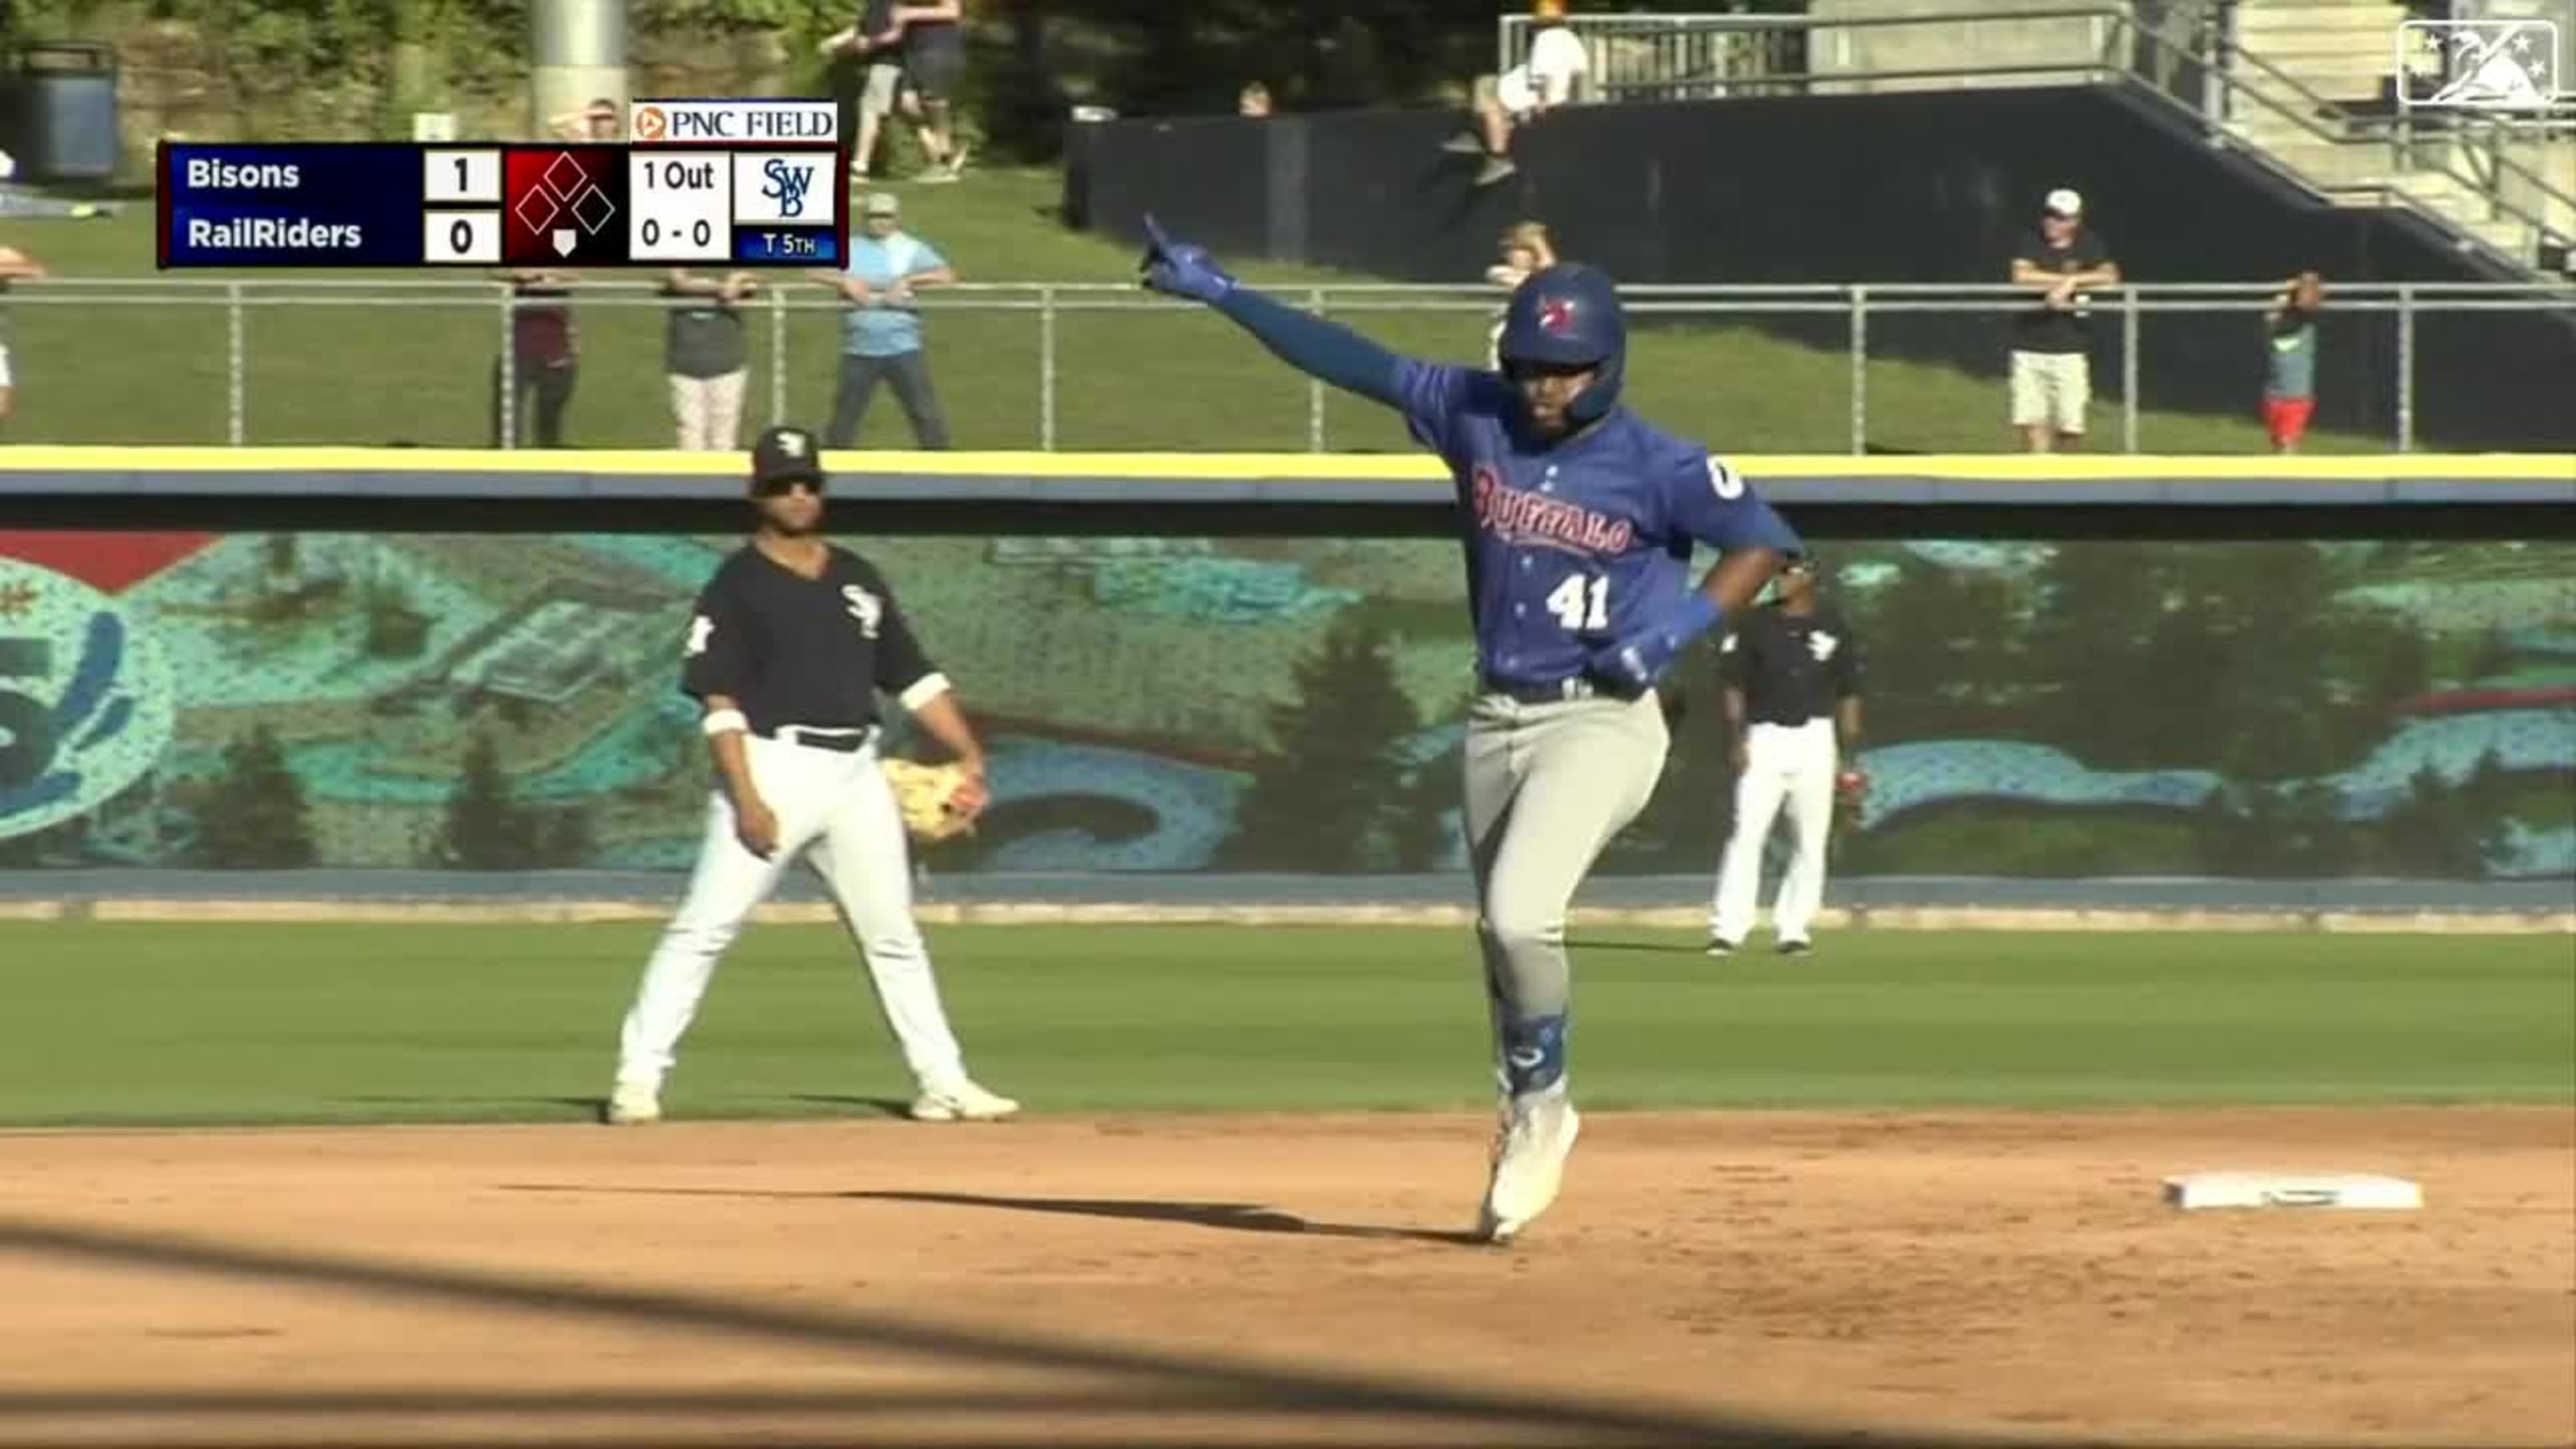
(839, 806)
(1791, 765)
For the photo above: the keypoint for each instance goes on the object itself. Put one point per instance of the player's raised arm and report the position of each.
(1319, 348)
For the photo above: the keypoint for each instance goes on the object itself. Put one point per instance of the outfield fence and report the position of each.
(1857, 367)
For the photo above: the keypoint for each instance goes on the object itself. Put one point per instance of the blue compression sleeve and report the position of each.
(1327, 350)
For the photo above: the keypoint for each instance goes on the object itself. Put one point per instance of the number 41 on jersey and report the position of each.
(1581, 603)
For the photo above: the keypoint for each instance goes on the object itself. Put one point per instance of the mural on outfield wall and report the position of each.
(2098, 708)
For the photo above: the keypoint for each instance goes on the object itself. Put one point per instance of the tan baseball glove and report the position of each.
(929, 797)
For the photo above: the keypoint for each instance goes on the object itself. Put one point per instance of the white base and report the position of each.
(2292, 1189)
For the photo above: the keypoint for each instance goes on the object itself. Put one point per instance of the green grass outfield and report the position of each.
(1127, 379)
(118, 1024)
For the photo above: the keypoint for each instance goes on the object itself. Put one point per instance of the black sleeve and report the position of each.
(2032, 249)
(1735, 655)
(2096, 250)
(1849, 668)
(717, 657)
(901, 664)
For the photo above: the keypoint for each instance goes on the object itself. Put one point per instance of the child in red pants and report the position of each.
(2290, 368)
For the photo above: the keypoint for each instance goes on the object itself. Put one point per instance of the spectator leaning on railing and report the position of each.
(14, 264)
(1538, 85)
(881, 330)
(2052, 378)
(545, 357)
(704, 356)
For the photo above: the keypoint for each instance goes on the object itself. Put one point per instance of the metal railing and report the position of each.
(1665, 57)
(1701, 57)
(2186, 54)
(1857, 319)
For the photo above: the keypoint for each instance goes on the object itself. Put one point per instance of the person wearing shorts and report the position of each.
(934, 61)
(882, 42)
(2052, 382)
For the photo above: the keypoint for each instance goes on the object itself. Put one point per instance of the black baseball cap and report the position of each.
(784, 455)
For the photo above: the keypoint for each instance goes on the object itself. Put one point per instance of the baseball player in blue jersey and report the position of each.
(1578, 520)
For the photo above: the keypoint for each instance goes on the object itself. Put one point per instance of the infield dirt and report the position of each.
(1208, 1279)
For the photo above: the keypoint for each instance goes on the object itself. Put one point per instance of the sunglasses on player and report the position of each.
(781, 487)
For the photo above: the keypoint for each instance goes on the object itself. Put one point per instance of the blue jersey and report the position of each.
(1577, 544)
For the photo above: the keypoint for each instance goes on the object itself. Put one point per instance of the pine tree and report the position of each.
(1421, 835)
(254, 817)
(1331, 795)
(2432, 832)
(2493, 658)
(1942, 654)
(2400, 662)
(2099, 603)
(565, 838)
(484, 828)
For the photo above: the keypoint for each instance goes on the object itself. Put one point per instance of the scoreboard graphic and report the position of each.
(703, 183)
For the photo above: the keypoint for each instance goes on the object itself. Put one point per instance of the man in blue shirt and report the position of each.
(881, 331)
(1578, 520)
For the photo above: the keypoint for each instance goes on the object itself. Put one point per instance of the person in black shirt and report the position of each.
(788, 648)
(2052, 373)
(1793, 686)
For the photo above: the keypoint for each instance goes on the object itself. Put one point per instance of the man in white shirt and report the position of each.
(1538, 85)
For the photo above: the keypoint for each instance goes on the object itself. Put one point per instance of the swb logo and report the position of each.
(783, 188)
(786, 183)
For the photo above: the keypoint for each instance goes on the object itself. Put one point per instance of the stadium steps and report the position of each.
(2342, 51)
(2346, 53)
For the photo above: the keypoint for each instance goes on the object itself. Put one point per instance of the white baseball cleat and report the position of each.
(962, 1101)
(633, 1104)
(1529, 1164)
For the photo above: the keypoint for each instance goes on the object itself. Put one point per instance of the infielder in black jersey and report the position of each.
(790, 645)
(1793, 692)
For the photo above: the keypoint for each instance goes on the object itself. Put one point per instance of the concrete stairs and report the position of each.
(2345, 53)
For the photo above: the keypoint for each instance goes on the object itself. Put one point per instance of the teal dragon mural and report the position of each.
(2282, 709)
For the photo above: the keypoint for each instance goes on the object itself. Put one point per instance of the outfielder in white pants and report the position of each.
(1789, 766)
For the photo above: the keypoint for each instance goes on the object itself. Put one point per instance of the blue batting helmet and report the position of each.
(1568, 315)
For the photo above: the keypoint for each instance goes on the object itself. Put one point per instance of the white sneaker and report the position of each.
(633, 1104)
(962, 1101)
(1538, 1132)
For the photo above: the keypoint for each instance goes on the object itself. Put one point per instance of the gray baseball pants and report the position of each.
(1548, 785)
